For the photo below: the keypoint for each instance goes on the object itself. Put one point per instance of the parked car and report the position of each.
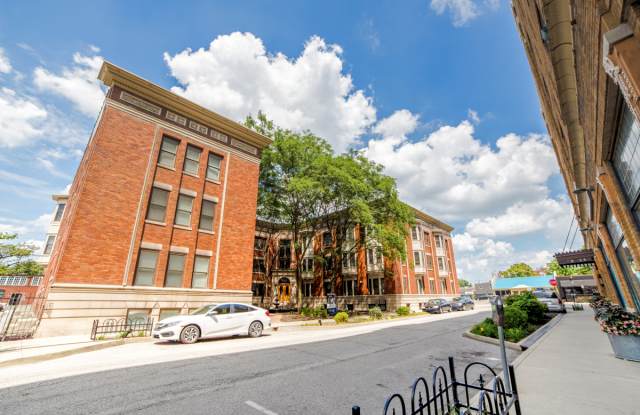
(214, 320)
(462, 304)
(437, 305)
(551, 300)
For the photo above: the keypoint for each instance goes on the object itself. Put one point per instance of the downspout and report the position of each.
(557, 14)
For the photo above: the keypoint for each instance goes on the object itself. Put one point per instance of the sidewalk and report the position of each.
(572, 370)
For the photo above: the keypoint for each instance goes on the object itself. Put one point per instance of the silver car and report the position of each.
(551, 300)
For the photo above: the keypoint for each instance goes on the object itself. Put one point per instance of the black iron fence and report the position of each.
(19, 316)
(121, 328)
(481, 392)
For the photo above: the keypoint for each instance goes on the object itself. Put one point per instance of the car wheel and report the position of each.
(190, 334)
(255, 329)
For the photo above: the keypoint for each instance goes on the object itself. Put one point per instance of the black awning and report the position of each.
(575, 258)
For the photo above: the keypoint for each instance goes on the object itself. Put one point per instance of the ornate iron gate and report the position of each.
(484, 395)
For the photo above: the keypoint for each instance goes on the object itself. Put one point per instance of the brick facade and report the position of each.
(106, 222)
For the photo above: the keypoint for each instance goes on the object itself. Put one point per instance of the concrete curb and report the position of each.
(527, 352)
(523, 344)
(98, 345)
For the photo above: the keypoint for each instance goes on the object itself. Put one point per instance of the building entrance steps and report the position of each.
(572, 370)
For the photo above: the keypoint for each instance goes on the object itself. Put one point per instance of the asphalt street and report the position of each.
(325, 377)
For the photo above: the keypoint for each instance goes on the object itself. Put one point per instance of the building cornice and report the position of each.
(112, 75)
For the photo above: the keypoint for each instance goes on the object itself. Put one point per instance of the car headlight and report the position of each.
(171, 324)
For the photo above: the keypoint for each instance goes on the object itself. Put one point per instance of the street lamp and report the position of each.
(498, 318)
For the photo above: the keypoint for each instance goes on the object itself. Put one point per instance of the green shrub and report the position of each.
(402, 310)
(514, 317)
(341, 317)
(515, 334)
(321, 312)
(486, 328)
(306, 312)
(527, 302)
(375, 313)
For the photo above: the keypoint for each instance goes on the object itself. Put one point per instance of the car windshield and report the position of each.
(433, 302)
(544, 294)
(203, 310)
(458, 299)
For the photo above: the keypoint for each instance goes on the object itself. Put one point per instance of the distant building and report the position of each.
(585, 62)
(482, 290)
(513, 285)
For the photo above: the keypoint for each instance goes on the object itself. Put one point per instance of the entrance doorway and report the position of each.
(284, 291)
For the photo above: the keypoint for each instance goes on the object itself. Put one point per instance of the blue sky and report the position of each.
(439, 91)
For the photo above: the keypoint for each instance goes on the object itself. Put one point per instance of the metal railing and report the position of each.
(448, 396)
(121, 328)
(20, 316)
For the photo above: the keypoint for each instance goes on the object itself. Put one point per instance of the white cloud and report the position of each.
(463, 11)
(473, 116)
(20, 119)
(78, 84)
(236, 77)
(454, 176)
(5, 64)
(27, 227)
(523, 218)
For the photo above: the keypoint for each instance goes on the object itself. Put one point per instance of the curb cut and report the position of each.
(523, 344)
(56, 355)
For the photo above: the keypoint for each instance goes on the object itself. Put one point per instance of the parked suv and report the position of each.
(551, 300)
(437, 305)
(462, 304)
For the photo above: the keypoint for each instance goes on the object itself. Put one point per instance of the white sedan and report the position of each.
(214, 320)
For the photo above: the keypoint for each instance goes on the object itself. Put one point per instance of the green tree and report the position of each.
(519, 269)
(554, 268)
(15, 257)
(463, 283)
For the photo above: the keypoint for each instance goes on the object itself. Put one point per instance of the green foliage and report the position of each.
(486, 328)
(518, 270)
(463, 283)
(515, 334)
(402, 310)
(375, 313)
(341, 317)
(318, 312)
(14, 257)
(514, 317)
(554, 268)
(527, 302)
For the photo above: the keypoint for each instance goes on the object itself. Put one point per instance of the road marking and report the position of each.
(260, 408)
(492, 358)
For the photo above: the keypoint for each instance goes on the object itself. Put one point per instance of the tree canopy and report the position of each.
(15, 257)
(304, 186)
(554, 268)
(463, 283)
(519, 269)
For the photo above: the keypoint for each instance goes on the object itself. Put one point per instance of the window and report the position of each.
(349, 260)
(629, 267)
(284, 254)
(15, 299)
(443, 285)
(213, 166)
(429, 262)
(405, 286)
(259, 244)
(259, 265)
(223, 309)
(207, 215)
(59, 212)
(307, 264)
(442, 267)
(183, 210)
(307, 289)
(439, 241)
(36, 280)
(417, 259)
(157, 204)
(420, 284)
(427, 239)
(257, 288)
(241, 308)
(432, 286)
(415, 233)
(327, 240)
(137, 316)
(327, 287)
(349, 287)
(146, 267)
(168, 151)
(375, 285)
(200, 272)
(175, 269)
(2, 292)
(48, 247)
(192, 160)
(168, 312)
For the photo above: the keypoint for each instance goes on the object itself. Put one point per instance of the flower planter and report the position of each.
(625, 347)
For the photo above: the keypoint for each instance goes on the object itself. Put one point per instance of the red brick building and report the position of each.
(364, 277)
(161, 214)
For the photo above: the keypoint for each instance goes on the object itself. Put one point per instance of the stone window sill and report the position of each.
(153, 222)
(186, 228)
(213, 181)
(186, 173)
(206, 231)
(166, 167)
